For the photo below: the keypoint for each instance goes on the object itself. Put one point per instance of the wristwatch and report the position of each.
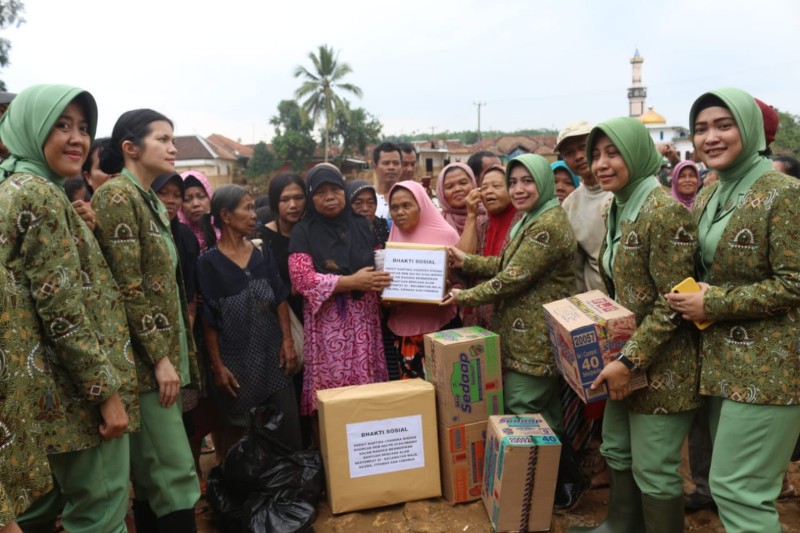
(627, 362)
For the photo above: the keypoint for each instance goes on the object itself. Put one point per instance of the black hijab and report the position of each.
(341, 245)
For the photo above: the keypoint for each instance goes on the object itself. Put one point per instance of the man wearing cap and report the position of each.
(586, 207)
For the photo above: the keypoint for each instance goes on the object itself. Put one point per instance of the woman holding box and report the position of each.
(416, 220)
(331, 263)
(534, 268)
(750, 268)
(648, 249)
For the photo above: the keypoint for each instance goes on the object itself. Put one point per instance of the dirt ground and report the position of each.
(438, 516)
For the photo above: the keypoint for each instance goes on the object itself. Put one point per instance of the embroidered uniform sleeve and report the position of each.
(52, 267)
(117, 229)
(778, 293)
(7, 515)
(536, 255)
(478, 265)
(316, 288)
(673, 242)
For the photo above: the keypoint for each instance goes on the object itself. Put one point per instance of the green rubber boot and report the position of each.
(663, 516)
(624, 507)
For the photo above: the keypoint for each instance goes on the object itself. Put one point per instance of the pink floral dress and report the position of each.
(343, 342)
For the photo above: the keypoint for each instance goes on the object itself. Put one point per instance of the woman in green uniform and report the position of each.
(134, 233)
(534, 269)
(749, 264)
(24, 472)
(648, 249)
(68, 317)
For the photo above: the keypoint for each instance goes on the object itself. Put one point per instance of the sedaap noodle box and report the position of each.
(464, 366)
(520, 469)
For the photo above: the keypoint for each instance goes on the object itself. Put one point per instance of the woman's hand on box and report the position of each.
(617, 377)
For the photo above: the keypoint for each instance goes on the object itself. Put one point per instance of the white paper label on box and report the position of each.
(384, 446)
(416, 274)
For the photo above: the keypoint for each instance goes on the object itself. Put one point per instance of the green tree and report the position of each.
(355, 129)
(293, 142)
(787, 140)
(10, 15)
(261, 165)
(319, 88)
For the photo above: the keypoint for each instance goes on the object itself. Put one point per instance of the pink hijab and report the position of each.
(198, 232)
(686, 200)
(417, 319)
(455, 217)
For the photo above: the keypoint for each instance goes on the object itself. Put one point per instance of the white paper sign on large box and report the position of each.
(419, 272)
(379, 444)
(587, 331)
(520, 470)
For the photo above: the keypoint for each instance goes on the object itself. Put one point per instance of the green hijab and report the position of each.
(542, 174)
(736, 179)
(28, 121)
(639, 152)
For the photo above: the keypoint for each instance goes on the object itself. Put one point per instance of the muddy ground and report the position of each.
(438, 516)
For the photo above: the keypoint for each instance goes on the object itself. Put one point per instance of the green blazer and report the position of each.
(655, 253)
(750, 354)
(537, 267)
(131, 228)
(24, 470)
(69, 316)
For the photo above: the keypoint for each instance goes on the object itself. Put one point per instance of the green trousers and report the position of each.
(162, 467)
(524, 394)
(650, 445)
(752, 448)
(91, 491)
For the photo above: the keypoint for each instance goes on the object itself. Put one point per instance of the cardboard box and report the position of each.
(520, 469)
(461, 454)
(587, 332)
(379, 444)
(464, 365)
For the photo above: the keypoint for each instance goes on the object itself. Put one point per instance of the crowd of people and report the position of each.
(143, 311)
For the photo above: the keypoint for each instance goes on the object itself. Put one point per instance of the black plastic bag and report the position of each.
(257, 452)
(227, 504)
(301, 472)
(283, 512)
(313, 476)
(264, 485)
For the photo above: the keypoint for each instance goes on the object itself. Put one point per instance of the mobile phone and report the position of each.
(690, 285)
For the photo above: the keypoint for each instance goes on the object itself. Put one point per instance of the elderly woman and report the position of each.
(534, 268)
(453, 187)
(331, 264)
(750, 271)
(134, 232)
(364, 201)
(68, 321)
(416, 220)
(685, 183)
(245, 320)
(648, 249)
(493, 235)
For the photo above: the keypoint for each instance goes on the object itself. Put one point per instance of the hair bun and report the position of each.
(111, 161)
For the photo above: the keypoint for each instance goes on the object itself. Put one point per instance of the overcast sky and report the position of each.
(420, 64)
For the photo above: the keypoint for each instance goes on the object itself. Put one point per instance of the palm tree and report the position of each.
(320, 85)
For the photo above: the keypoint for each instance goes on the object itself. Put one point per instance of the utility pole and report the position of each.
(479, 105)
